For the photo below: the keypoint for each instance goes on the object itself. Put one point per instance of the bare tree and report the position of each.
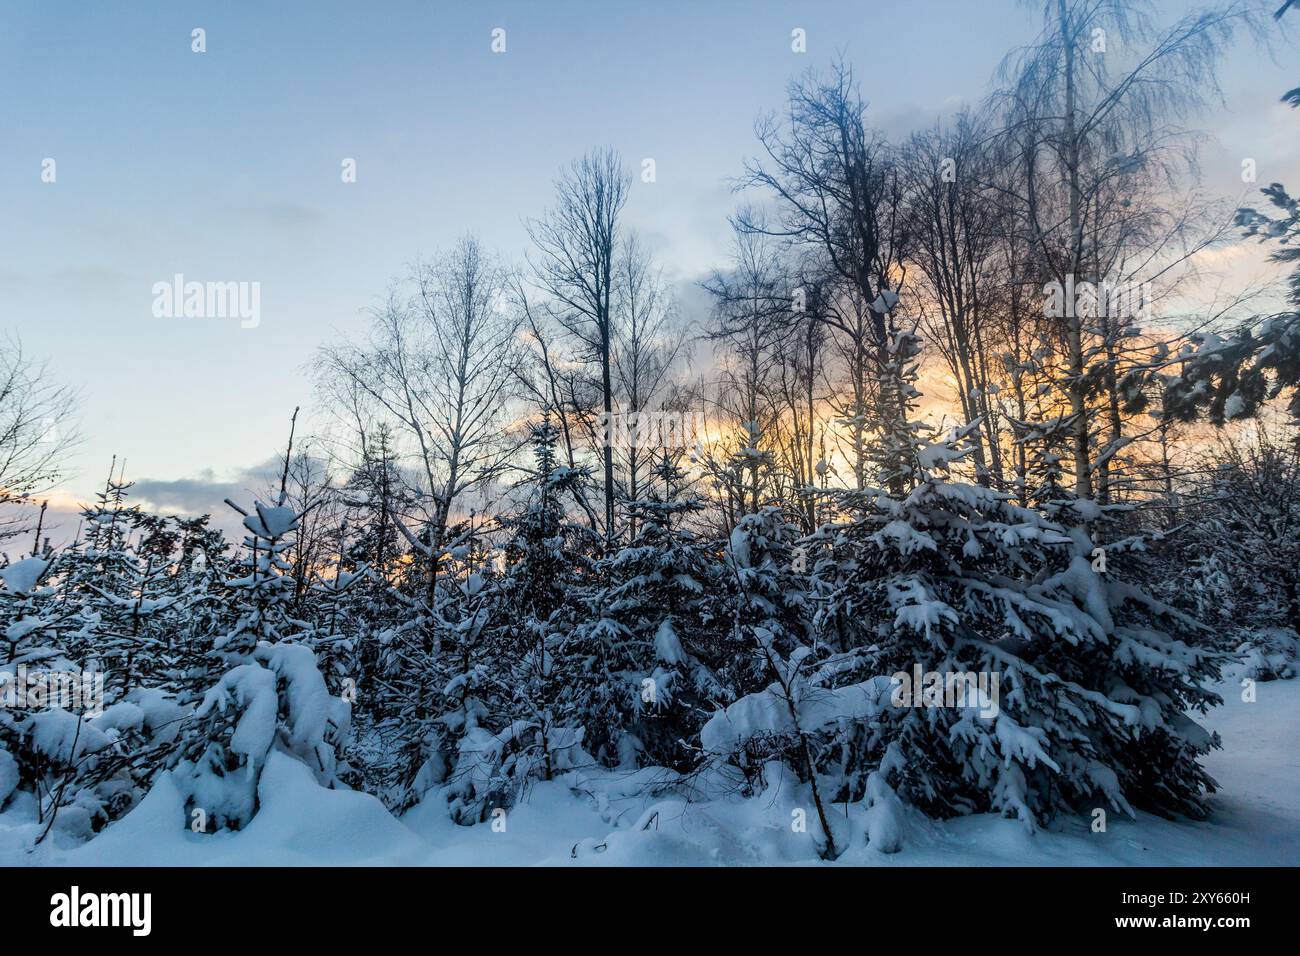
(440, 365)
(799, 392)
(577, 243)
(751, 315)
(36, 430)
(1096, 135)
(953, 224)
(556, 386)
(646, 343)
(840, 196)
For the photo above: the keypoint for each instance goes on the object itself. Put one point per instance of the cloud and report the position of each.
(202, 494)
(291, 216)
(205, 493)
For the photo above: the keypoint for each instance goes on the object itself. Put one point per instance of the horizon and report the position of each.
(225, 166)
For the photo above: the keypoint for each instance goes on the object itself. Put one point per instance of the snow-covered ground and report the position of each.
(605, 819)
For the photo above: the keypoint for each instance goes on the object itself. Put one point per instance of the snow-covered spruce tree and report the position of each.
(787, 706)
(130, 580)
(952, 579)
(48, 749)
(100, 574)
(272, 694)
(414, 614)
(336, 606)
(30, 613)
(373, 495)
(80, 750)
(927, 591)
(509, 725)
(425, 647)
(30, 620)
(1240, 547)
(380, 656)
(199, 574)
(636, 677)
(373, 498)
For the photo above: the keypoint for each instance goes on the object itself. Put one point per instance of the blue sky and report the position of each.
(225, 166)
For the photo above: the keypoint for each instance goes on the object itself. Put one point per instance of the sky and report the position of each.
(225, 166)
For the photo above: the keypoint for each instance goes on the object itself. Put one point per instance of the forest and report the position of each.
(953, 499)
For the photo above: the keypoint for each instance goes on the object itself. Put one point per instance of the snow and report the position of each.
(160, 711)
(886, 301)
(271, 521)
(119, 718)
(312, 710)
(21, 576)
(20, 628)
(54, 733)
(592, 817)
(667, 647)
(768, 714)
(251, 689)
(885, 818)
(938, 455)
(1024, 744)
(8, 775)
